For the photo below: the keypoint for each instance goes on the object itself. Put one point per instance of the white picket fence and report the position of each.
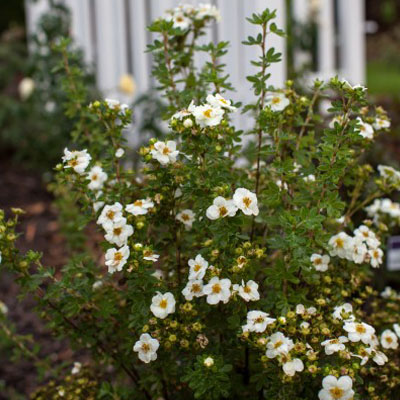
(113, 35)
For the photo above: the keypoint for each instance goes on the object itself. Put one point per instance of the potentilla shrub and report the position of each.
(216, 280)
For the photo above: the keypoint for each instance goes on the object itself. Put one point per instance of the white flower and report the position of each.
(340, 245)
(119, 232)
(311, 310)
(389, 174)
(207, 11)
(304, 325)
(119, 152)
(219, 101)
(359, 331)
(381, 123)
(389, 340)
(276, 101)
(77, 160)
(248, 291)
(187, 123)
(321, 263)
(110, 214)
(376, 257)
(3, 308)
(365, 130)
(309, 178)
(334, 345)
(97, 178)
(217, 290)
(291, 367)
(257, 321)
(76, 368)
(26, 88)
(246, 201)
(221, 208)
(198, 268)
(147, 348)
(343, 312)
(162, 305)
(367, 236)
(207, 115)
(186, 112)
(379, 357)
(116, 105)
(149, 255)
(116, 258)
(140, 207)
(358, 250)
(278, 344)
(193, 289)
(300, 309)
(97, 285)
(281, 185)
(208, 362)
(396, 328)
(336, 389)
(187, 218)
(165, 153)
(181, 21)
(337, 119)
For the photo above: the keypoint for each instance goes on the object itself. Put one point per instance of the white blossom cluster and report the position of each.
(243, 200)
(382, 207)
(184, 15)
(363, 247)
(205, 115)
(364, 129)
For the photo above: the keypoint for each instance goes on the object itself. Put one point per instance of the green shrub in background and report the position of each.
(32, 120)
(217, 281)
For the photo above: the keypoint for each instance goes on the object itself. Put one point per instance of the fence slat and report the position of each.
(81, 27)
(326, 40)
(111, 43)
(352, 40)
(141, 61)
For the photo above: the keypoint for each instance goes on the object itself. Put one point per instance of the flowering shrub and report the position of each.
(219, 281)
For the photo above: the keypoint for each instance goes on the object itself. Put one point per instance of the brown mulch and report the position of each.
(23, 188)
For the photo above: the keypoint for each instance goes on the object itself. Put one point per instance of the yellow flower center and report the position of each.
(222, 211)
(166, 150)
(318, 261)
(207, 113)
(276, 100)
(117, 231)
(138, 203)
(246, 289)
(389, 339)
(216, 288)
(278, 344)
(246, 201)
(94, 177)
(196, 288)
(145, 347)
(110, 214)
(197, 268)
(360, 328)
(73, 163)
(163, 303)
(336, 392)
(339, 242)
(117, 256)
(259, 320)
(185, 217)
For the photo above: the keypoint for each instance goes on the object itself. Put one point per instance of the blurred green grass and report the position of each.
(383, 78)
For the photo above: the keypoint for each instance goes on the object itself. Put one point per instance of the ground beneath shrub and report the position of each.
(40, 231)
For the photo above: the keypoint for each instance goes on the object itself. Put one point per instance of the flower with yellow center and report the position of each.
(221, 208)
(140, 207)
(162, 305)
(146, 347)
(116, 258)
(217, 290)
(336, 389)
